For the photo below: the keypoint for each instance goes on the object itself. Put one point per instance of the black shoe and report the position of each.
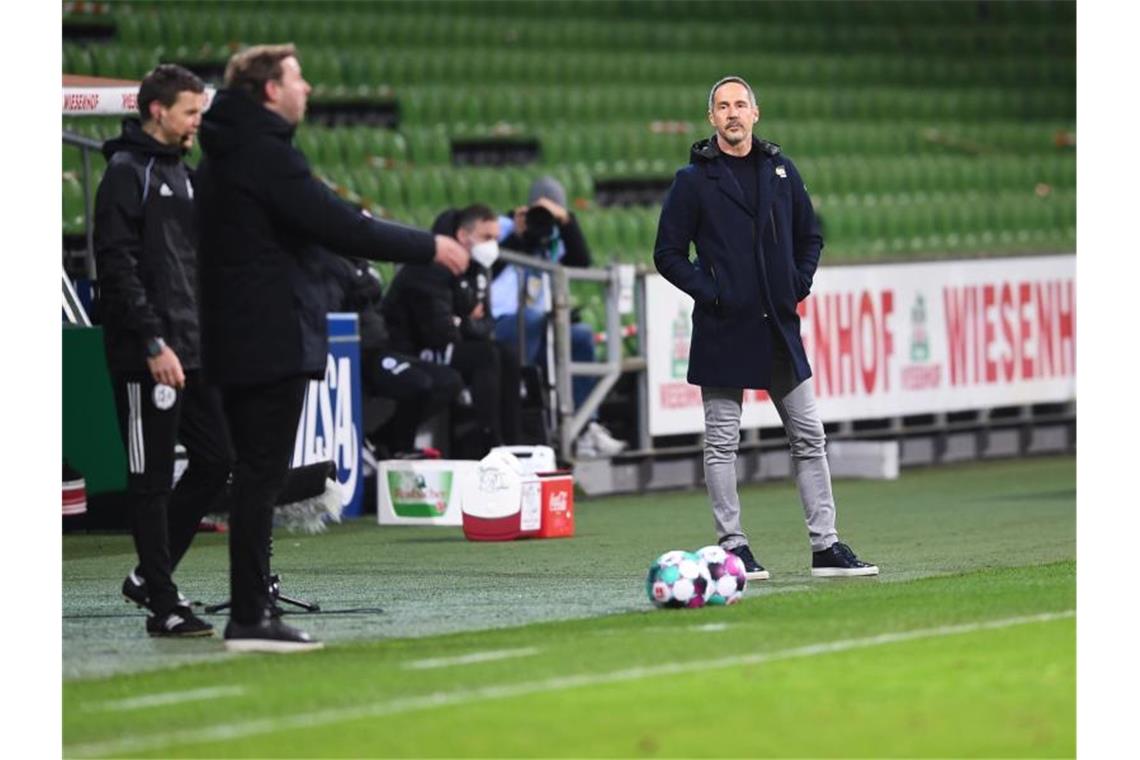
(837, 561)
(180, 623)
(268, 635)
(753, 570)
(134, 590)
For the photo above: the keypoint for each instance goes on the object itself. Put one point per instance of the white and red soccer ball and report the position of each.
(678, 579)
(726, 574)
(681, 579)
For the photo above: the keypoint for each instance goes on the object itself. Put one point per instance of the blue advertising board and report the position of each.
(332, 417)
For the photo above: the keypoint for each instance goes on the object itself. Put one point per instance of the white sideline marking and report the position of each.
(167, 698)
(711, 627)
(470, 659)
(317, 718)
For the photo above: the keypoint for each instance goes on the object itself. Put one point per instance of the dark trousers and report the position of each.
(152, 419)
(492, 373)
(263, 424)
(510, 409)
(420, 389)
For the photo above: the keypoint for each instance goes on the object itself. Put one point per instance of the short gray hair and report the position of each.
(728, 80)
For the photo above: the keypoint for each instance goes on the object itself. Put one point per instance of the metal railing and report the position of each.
(86, 145)
(570, 421)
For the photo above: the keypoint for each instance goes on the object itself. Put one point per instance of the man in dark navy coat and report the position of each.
(263, 219)
(745, 208)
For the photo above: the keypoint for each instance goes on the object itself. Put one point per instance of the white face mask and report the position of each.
(486, 253)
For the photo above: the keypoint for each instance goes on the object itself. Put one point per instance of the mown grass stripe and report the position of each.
(167, 698)
(320, 718)
(470, 659)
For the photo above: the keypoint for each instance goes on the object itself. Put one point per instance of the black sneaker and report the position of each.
(268, 635)
(753, 570)
(134, 590)
(180, 623)
(837, 561)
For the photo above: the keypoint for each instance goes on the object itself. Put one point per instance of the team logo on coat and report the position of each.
(164, 397)
(781, 171)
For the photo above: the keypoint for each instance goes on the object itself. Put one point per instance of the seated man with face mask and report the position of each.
(447, 319)
(418, 389)
(546, 229)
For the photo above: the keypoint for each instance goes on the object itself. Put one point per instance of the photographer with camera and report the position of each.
(546, 229)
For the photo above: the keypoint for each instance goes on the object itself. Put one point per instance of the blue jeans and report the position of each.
(581, 345)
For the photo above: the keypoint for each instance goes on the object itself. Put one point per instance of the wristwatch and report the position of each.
(154, 347)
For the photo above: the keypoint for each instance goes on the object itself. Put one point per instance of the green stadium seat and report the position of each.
(390, 189)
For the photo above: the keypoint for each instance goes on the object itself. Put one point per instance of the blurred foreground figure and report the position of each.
(263, 218)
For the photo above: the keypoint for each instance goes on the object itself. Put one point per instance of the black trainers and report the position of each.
(837, 561)
(180, 623)
(268, 635)
(134, 590)
(753, 570)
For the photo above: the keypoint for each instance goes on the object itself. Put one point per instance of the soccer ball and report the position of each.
(726, 574)
(678, 579)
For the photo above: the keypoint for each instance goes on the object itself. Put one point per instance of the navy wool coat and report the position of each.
(753, 265)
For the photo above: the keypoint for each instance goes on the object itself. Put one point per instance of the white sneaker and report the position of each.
(597, 442)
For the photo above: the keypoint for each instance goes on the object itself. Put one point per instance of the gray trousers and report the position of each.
(796, 407)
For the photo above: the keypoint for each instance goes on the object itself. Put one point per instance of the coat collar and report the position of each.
(709, 154)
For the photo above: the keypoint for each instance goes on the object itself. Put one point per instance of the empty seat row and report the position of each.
(533, 105)
(401, 66)
(1030, 13)
(376, 24)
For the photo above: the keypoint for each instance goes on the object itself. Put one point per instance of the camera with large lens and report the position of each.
(540, 228)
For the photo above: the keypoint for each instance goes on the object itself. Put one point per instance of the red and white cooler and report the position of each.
(504, 501)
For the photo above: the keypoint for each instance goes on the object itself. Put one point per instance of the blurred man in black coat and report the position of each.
(262, 215)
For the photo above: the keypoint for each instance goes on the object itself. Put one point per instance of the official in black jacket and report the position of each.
(145, 250)
(262, 216)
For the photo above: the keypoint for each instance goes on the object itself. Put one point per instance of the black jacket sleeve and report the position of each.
(577, 249)
(301, 202)
(118, 252)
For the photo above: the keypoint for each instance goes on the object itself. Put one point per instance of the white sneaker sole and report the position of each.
(843, 572)
(760, 576)
(271, 646)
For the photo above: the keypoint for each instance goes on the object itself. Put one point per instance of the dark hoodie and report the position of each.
(263, 217)
(145, 250)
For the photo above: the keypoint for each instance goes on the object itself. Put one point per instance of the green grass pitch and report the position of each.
(439, 647)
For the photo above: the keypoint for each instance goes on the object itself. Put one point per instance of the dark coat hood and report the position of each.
(234, 119)
(708, 150)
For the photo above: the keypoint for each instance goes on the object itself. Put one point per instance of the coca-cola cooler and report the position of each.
(512, 495)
